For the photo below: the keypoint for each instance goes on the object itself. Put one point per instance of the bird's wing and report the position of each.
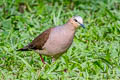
(38, 42)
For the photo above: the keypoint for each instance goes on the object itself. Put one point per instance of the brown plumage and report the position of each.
(38, 42)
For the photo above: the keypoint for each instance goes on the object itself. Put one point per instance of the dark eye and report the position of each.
(75, 20)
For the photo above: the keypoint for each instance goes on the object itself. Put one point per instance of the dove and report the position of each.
(55, 41)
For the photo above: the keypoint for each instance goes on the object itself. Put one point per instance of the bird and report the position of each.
(55, 41)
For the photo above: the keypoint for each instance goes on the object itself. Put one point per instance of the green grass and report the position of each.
(94, 54)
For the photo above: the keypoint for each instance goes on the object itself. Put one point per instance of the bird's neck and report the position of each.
(70, 26)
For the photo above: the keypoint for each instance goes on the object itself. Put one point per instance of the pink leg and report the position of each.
(42, 59)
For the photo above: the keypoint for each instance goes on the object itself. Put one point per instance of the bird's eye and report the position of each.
(75, 20)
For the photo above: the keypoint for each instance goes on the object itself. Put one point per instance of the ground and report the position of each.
(94, 54)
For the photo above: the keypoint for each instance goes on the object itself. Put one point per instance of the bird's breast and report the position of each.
(59, 41)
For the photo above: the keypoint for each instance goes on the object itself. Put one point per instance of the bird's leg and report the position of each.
(41, 52)
(53, 60)
(42, 59)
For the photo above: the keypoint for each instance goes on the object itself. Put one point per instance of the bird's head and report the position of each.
(77, 21)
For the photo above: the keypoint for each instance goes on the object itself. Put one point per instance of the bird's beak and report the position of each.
(82, 25)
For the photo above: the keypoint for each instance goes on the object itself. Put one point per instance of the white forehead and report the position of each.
(78, 18)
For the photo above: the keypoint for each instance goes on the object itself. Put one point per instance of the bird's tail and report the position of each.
(26, 48)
